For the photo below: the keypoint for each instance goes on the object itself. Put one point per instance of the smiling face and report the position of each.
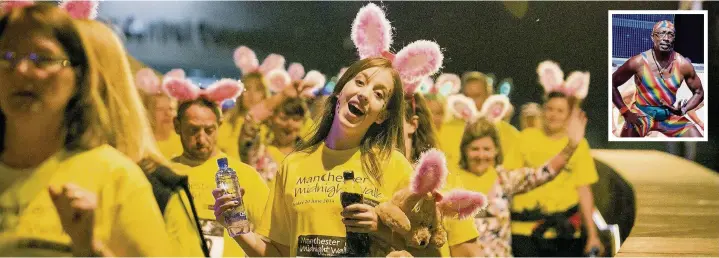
(556, 113)
(363, 99)
(663, 35)
(37, 78)
(481, 155)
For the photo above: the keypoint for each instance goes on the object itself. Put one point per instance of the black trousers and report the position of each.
(525, 246)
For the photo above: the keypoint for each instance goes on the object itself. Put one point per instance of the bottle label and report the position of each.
(237, 215)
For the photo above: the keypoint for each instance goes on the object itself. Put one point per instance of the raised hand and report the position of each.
(76, 208)
(577, 126)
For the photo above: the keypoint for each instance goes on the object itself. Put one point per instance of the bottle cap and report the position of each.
(222, 163)
(349, 175)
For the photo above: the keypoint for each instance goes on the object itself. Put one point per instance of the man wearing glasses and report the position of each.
(658, 74)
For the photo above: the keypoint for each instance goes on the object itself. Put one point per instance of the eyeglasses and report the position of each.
(9, 60)
(667, 34)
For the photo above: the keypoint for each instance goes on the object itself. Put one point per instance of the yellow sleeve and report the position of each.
(586, 170)
(460, 231)
(509, 138)
(275, 225)
(138, 217)
(256, 192)
(181, 228)
(513, 157)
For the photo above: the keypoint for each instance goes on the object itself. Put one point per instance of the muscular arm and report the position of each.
(622, 75)
(694, 84)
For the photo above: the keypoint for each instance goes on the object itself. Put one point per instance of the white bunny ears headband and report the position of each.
(447, 84)
(493, 109)
(176, 85)
(551, 77)
(78, 9)
(372, 35)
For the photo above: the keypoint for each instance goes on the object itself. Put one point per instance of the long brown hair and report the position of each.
(425, 137)
(81, 112)
(475, 131)
(379, 141)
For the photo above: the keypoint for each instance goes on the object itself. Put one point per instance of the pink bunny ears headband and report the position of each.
(493, 109)
(551, 77)
(273, 70)
(430, 176)
(278, 79)
(247, 61)
(78, 9)
(176, 85)
(372, 35)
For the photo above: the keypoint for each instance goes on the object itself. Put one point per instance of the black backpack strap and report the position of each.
(164, 183)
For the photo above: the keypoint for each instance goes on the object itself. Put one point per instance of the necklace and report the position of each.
(661, 70)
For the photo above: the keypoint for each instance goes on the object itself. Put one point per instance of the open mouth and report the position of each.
(25, 94)
(355, 110)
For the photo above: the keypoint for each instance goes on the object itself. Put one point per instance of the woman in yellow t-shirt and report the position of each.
(161, 110)
(133, 137)
(480, 171)
(55, 137)
(285, 124)
(420, 136)
(359, 131)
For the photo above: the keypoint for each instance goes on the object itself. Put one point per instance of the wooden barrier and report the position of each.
(677, 203)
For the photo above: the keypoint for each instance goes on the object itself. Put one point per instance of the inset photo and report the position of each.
(658, 76)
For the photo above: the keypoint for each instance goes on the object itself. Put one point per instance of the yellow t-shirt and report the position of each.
(508, 139)
(227, 137)
(171, 147)
(559, 194)
(127, 218)
(451, 138)
(276, 154)
(458, 231)
(202, 181)
(304, 205)
(181, 227)
(306, 128)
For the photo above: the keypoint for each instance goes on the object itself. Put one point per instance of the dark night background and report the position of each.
(482, 36)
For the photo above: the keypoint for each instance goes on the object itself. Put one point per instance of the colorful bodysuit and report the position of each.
(655, 91)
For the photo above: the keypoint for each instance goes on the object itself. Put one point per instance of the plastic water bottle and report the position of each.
(236, 218)
(357, 243)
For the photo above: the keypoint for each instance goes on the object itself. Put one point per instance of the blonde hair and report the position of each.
(477, 76)
(120, 110)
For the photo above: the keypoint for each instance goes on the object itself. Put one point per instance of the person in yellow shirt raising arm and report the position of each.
(63, 190)
(556, 219)
(481, 171)
(198, 118)
(360, 132)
